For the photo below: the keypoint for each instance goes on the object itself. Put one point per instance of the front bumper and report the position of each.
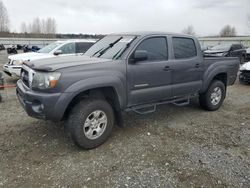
(244, 76)
(12, 70)
(37, 104)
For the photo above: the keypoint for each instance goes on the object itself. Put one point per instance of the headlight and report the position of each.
(45, 80)
(17, 62)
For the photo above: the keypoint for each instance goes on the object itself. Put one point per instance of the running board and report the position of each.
(150, 108)
(144, 109)
(182, 102)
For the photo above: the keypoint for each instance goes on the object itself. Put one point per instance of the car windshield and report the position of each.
(49, 48)
(221, 47)
(110, 47)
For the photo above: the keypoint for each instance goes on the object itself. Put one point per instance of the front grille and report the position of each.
(246, 73)
(25, 77)
(245, 76)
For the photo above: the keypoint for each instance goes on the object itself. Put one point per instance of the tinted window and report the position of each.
(184, 48)
(156, 48)
(49, 48)
(236, 47)
(82, 47)
(68, 48)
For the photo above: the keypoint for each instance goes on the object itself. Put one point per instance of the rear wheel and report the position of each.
(213, 98)
(91, 123)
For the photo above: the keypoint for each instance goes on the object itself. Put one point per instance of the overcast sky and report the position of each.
(108, 16)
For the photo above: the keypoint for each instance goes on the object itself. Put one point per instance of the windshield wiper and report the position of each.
(103, 50)
(118, 54)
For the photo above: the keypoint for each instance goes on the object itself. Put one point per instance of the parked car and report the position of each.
(12, 50)
(228, 50)
(26, 48)
(120, 73)
(248, 54)
(2, 47)
(244, 76)
(19, 47)
(59, 48)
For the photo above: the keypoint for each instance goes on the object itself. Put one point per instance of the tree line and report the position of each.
(39, 26)
(226, 31)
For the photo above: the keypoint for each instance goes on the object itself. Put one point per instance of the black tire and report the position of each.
(205, 98)
(78, 116)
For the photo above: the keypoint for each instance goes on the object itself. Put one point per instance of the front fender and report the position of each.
(91, 83)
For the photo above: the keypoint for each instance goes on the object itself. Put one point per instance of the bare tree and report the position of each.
(50, 26)
(228, 31)
(23, 28)
(36, 25)
(248, 20)
(4, 18)
(40, 26)
(43, 26)
(189, 30)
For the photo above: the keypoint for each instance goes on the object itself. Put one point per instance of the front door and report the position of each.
(150, 80)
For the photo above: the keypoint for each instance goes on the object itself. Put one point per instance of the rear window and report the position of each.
(184, 48)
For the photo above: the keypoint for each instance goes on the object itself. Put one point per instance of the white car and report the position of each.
(244, 76)
(59, 48)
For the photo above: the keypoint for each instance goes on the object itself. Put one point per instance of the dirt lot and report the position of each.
(174, 147)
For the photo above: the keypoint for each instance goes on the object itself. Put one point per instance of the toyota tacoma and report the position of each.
(120, 73)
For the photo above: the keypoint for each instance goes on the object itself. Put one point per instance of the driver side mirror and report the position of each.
(58, 52)
(140, 55)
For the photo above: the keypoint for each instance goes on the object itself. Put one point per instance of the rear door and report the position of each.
(150, 80)
(187, 66)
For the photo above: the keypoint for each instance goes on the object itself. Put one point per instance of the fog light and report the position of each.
(37, 107)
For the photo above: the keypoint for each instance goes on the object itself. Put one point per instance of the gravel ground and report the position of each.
(173, 147)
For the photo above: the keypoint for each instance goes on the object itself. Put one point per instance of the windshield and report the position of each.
(110, 47)
(221, 47)
(49, 48)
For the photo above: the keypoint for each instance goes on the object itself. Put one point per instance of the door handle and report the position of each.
(197, 65)
(167, 68)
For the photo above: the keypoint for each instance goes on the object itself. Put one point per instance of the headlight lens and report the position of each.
(17, 62)
(46, 80)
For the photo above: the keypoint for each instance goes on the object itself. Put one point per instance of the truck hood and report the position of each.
(30, 56)
(59, 62)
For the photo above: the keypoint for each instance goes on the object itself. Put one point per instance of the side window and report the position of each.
(184, 48)
(156, 48)
(237, 47)
(82, 47)
(68, 48)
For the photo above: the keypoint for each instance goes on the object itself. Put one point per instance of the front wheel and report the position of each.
(90, 123)
(213, 98)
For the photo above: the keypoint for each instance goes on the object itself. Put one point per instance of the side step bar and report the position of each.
(150, 108)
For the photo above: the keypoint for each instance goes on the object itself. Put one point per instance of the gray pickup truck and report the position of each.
(122, 72)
